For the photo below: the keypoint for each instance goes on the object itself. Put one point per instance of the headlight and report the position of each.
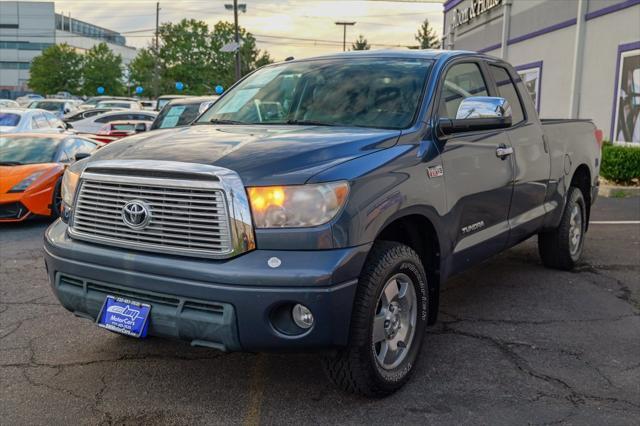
(68, 188)
(24, 184)
(296, 206)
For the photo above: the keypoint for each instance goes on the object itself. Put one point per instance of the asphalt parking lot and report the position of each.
(516, 343)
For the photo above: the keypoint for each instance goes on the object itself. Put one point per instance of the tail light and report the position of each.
(599, 137)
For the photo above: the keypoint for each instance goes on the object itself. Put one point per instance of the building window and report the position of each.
(10, 65)
(626, 102)
(531, 76)
(11, 26)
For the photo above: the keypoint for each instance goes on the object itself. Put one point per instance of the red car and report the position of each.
(120, 129)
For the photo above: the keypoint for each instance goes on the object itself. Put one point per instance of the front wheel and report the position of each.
(388, 323)
(56, 200)
(561, 248)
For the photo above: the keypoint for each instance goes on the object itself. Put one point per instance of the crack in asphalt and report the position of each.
(573, 396)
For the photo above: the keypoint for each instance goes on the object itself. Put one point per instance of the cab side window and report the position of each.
(461, 81)
(507, 90)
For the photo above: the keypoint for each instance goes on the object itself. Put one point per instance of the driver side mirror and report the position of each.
(81, 156)
(478, 113)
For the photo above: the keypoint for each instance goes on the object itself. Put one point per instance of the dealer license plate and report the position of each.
(125, 316)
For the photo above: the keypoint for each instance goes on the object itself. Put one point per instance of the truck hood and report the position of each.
(260, 154)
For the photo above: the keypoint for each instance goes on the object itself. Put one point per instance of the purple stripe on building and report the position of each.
(621, 49)
(610, 9)
(490, 48)
(541, 31)
(529, 66)
(450, 4)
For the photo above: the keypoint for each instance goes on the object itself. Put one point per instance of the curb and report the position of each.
(615, 191)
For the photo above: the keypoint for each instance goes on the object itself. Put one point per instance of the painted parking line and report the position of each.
(615, 222)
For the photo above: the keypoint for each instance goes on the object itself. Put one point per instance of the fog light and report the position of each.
(302, 316)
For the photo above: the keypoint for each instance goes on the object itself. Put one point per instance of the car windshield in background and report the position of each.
(362, 92)
(16, 150)
(47, 106)
(176, 115)
(7, 119)
(114, 105)
(123, 127)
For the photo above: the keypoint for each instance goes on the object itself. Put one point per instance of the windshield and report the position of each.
(123, 126)
(113, 105)
(47, 105)
(162, 102)
(176, 115)
(7, 119)
(16, 150)
(363, 92)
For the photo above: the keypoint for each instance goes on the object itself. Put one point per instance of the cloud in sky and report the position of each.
(383, 23)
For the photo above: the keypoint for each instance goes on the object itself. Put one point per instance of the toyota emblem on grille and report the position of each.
(136, 214)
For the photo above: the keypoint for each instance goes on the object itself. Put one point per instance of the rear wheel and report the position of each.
(562, 247)
(387, 326)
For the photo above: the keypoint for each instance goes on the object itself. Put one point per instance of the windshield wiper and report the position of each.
(10, 163)
(221, 121)
(309, 123)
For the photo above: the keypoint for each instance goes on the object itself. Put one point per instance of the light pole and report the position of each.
(243, 7)
(344, 33)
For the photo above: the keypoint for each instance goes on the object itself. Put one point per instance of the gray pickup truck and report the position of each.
(321, 204)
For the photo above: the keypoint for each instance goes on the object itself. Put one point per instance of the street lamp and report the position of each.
(243, 8)
(344, 33)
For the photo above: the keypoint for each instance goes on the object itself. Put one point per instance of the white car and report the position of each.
(16, 120)
(94, 124)
(59, 107)
(8, 103)
(25, 100)
(120, 104)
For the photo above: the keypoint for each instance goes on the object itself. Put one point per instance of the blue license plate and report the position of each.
(125, 316)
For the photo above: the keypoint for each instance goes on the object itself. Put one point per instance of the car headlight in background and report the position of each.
(25, 183)
(68, 188)
(296, 206)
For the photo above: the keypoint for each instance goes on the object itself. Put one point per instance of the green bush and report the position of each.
(620, 163)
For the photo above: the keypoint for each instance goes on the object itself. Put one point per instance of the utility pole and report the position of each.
(243, 8)
(344, 33)
(156, 81)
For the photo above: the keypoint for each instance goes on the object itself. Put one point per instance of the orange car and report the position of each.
(31, 167)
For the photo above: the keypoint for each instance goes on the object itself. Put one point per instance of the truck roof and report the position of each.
(397, 53)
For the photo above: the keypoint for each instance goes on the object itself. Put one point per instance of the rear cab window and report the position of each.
(507, 90)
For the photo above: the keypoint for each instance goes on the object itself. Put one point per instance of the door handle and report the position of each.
(503, 151)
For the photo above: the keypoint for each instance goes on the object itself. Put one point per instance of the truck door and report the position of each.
(531, 159)
(478, 181)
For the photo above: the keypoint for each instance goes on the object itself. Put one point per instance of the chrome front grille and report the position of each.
(186, 217)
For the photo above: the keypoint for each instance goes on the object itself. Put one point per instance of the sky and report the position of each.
(298, 28)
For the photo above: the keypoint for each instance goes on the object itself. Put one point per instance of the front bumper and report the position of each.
(225, 304)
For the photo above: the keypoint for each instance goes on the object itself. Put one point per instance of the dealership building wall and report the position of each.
(578, 58)
(27, 28)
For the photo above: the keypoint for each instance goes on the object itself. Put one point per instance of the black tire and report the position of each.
(555, 247)
(56, 200)
(356, 368)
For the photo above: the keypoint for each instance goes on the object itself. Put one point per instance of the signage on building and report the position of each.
(477, 8)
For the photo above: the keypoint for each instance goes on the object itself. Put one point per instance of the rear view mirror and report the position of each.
(140, 127)
(478, 113)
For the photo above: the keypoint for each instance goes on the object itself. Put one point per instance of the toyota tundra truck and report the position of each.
(320, 204)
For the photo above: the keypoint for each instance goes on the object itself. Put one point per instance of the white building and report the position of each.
(26, 28)
(579, 58)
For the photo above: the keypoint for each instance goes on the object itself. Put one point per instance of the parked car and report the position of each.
(181, 112)
(164, 99)
(59, 107)
(18, 120)
(148, 105)
(120, 129)
(31, 166)
(25, 100)
(8, 103)
(118, 104)
(86, 113)
(311, 208)
(95, 123)
(93, 101)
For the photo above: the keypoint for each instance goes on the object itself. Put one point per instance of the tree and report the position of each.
(102, 68)
(361, 44)
(58, 68)
(141, 70)
(427, 37)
